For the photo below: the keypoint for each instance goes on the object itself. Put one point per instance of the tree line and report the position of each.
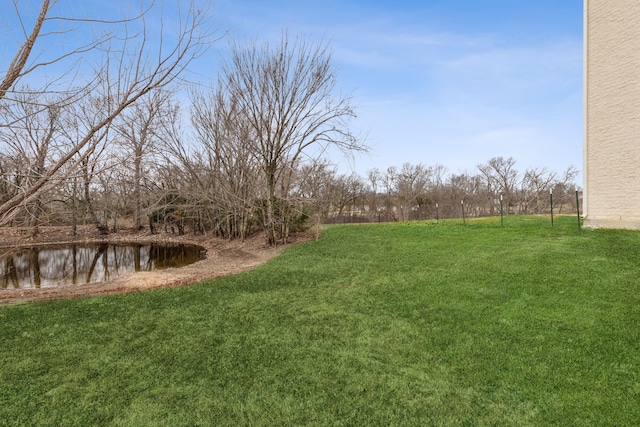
(420, 192)
(119, 147)
(218, 188)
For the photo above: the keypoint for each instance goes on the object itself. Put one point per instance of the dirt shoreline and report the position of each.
(223, 258)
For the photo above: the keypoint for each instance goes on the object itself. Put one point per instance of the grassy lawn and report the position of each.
(401, 324)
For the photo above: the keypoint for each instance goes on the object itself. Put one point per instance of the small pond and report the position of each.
(50, 266)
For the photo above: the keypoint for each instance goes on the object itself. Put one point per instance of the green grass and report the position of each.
(401, 324)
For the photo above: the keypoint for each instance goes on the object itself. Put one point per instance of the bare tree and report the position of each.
(501, 178)
(413, 181)
(31, 141)
(286, 94)
(313, 187)
(127, 66)
(343, 192)
(564, 188)
(138, 128)
(390, 183)
(81, 117)
(227, 157)
(534, 195)
(374, 177)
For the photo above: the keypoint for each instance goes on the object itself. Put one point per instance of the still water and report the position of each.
(50, 266)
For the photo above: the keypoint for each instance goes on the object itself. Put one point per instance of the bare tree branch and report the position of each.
(20, 59)
(126, 73)
(286, 94)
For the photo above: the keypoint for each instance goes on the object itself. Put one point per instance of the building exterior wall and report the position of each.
(612, 113)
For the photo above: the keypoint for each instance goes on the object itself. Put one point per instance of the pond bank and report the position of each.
(223, 258)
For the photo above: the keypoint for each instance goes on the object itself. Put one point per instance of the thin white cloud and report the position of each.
(434, 91)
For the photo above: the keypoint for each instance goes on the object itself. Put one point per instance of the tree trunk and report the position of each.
(102, 228)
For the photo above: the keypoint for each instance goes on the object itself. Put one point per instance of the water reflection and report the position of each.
(49, 266)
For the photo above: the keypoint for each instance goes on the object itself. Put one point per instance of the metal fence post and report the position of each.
(551, 198)
(578, 209)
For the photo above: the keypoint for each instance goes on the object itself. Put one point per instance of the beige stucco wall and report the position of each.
(612, 113)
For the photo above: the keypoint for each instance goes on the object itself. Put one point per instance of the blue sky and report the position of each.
(455, 82)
